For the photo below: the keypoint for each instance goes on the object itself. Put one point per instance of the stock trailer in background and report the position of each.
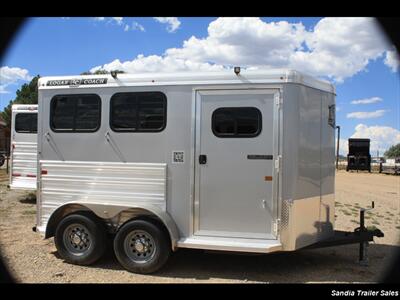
(23, 150)
(359, 157)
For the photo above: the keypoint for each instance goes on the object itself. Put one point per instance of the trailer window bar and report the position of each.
(26, 122)
(236, 122)
(75, 113)
(138, 112)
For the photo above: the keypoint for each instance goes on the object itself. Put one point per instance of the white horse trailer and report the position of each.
(23, 146)
(228, 161)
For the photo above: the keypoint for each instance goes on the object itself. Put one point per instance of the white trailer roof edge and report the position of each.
(24, 107)
(187, 78)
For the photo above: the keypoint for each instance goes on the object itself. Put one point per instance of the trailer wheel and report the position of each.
(141, 247)
(80, 239)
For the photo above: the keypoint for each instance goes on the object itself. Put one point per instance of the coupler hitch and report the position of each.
(361, 236)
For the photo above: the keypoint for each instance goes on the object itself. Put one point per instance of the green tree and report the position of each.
(27, 94)
(393, 151)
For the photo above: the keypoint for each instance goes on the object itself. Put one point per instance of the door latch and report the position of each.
(278, 163)
(202, 159)
(277, 224)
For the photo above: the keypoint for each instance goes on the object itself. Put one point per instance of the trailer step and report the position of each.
(230, 244)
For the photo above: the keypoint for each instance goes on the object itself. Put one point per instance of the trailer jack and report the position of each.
(361, 235)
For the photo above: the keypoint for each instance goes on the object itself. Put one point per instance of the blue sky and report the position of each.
(351, 53)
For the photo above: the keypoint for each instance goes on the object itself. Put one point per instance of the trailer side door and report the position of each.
(235, 175)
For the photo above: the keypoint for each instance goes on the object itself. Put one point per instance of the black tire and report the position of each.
(87, 225)
(2, 160)
(157, 244)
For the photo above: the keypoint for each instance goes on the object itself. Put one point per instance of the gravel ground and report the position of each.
(32, 259)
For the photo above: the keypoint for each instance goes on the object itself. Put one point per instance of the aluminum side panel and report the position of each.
(23, 163)
(308, 168)
(117, 184)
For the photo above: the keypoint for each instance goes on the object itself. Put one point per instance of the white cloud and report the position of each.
(367, 100)
(3, 90)
(343, 146)
(336, 48)
(366, 114)
(245, 42)
(173, 23)
(117, 20)
(340, 47)
(382, 137)
(135, 26)
(120, 21)
(10, 76)
(155, 63)
(392, 60)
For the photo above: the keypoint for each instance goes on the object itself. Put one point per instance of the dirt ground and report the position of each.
(32, 259)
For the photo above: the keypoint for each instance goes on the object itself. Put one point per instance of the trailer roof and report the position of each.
(186, 78)
(19, 107)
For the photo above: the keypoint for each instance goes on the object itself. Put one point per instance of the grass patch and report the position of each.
(375, 222)
(369, 215)
(371, 227)
(354, 221)
(397, 227)
(29, 212)
(346, 204)
(347, 213)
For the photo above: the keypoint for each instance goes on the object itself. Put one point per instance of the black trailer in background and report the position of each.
(359, 157)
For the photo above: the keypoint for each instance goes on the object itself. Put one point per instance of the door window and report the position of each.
(235, 122)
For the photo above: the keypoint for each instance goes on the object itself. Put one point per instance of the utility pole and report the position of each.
(337, 148)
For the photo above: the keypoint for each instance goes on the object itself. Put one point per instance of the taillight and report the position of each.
(16, 174)
(43, 172)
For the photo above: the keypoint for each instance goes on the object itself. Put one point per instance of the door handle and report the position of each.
(202, 159)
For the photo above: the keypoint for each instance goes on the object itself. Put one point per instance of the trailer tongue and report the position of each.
(361, 235)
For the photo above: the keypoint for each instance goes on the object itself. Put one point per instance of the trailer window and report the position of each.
(236, 122)
(138, 112)
(26, 122)
(331, 116)
(75, 113)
